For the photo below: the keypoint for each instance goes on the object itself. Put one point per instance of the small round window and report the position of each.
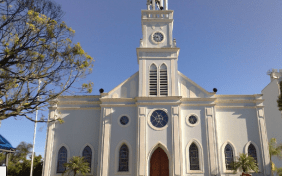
(192, 120)
(124, 120)
(159, 118)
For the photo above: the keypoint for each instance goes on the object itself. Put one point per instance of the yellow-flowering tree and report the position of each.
(35, 44)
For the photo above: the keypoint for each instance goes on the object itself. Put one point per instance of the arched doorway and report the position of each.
(159, 164)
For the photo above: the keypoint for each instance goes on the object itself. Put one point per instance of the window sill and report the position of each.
(195, 172)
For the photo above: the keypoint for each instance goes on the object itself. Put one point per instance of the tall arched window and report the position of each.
(153, 80)
(252, 152)
(123, 158)
(87, 154)
(163, 80)
(62, 158)
(228, 156)
(194, 157)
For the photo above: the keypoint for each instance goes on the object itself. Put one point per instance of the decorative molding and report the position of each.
(79, 108)
(78, 102)
(106, 100)
(92, 157)
(223, 155)
(257, 151)
(236, 96)
(197, 104)
(156, 128)
(239, 101)
(157, 103)
(159, 98)
(162, 146)
(130, 151)
(236, 107)
(118, 105)
(121, 125)
(200, 155)
(187, 120)
(198, 99)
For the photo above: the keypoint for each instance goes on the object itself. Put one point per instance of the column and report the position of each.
(175, 139)
(264, 142)
(141, 142)
(47, 166)
(211, 141)
(105, 142)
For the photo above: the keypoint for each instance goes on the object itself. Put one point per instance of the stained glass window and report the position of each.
(252, 152)
(228, 157)
(159, 118)
(87, 154)
(123, 158)
(62, 158)
(194, 157)
(193, 119)
(124, 120)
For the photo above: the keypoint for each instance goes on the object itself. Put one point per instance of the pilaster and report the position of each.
(47, 166)
(263, 142)
(105, 142)
(211, 141)
(141, 142)
(176, 142)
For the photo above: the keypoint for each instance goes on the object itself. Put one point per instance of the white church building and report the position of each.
(158, 122)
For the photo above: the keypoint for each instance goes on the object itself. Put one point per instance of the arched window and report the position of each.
(252, 152)
(62, 158)
(194, 157)
(228, 156)
(123, 158)
(153, 80)
(163, 80)
(87, 154)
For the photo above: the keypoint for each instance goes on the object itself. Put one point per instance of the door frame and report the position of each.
(162, 146)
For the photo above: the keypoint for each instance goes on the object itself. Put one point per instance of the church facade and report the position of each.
(158, 121)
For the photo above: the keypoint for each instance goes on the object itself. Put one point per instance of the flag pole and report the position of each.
(34, 134)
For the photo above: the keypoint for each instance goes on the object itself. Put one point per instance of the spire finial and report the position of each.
(159, 4)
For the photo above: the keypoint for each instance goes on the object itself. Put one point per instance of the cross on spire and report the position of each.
(157, 4)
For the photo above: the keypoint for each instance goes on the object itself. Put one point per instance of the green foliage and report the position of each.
(35, 44)
(19, 165)
(77, 165)
(245, 163)
(275, 150)
(279, 101)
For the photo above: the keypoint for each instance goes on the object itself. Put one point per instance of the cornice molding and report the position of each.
(78, 102)
(158, 98)
(197, 99)
(79, 108)
(80, 96)
(197, 104)
(236, 96)
(158, 103)
(118, 105)
(104, 100)
(237, 107)
(239, 101)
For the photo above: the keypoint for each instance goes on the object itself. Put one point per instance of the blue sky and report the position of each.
(224, 44)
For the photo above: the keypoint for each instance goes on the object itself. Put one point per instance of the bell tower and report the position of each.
(157, 55)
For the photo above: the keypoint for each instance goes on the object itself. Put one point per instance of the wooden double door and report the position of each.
(159, 164)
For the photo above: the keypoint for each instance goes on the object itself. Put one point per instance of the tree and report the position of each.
(245, 163)
(279, 171)
(35, 44)
(77, 165)
(19, 164)
(274, 150)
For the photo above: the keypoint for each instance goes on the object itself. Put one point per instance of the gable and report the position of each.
(189, 89)
(127, 89)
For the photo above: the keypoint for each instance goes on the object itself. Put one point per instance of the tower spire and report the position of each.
(157, 4)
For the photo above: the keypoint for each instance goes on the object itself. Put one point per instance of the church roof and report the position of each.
(5, 144)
